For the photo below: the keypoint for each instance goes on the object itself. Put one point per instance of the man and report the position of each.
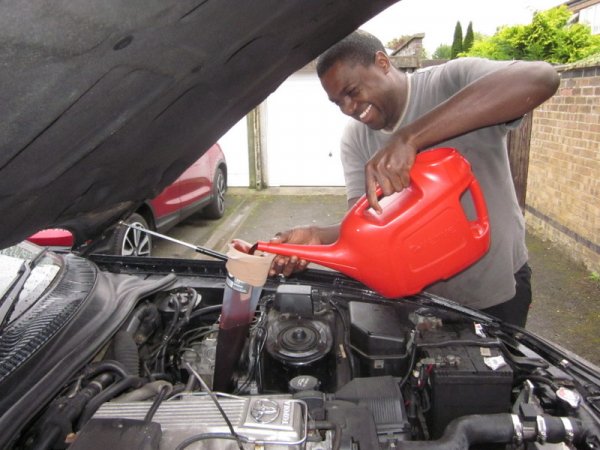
(469, 104)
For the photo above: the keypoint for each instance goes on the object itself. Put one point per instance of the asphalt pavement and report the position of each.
(566, 297)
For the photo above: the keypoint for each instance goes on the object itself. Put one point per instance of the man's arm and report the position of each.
(498, 97)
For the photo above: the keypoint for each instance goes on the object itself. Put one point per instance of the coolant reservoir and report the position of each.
(422, 236)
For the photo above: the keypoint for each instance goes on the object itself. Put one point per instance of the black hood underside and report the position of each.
(103, 104)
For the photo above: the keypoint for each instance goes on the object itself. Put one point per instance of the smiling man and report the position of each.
(470, 104)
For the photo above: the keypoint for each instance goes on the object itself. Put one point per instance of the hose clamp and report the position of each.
(541, 428)
(569, 432)
(518, 427)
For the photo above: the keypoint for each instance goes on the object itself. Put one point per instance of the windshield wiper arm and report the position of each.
(12, 293)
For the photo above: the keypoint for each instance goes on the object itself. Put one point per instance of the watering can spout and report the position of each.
(333, 255)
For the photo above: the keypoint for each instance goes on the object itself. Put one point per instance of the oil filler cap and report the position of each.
(304, 383)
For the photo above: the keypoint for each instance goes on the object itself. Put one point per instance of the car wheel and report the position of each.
(129, 242)
(216, 208)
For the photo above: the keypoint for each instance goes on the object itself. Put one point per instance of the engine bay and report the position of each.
(316, 368)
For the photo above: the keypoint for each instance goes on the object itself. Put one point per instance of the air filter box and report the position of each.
(379, 335)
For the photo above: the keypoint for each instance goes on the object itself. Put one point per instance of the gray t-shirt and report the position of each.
(490, 281)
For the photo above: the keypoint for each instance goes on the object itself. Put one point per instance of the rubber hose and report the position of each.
(140, 314)
(106, 395)
(470, 430)
(539, 379)
(125, 350)
(146, 392)
(490, 429)
(142, 322)
(160, 363)
(105, 366)
(555, 429)
(205, 310)
(60, 420)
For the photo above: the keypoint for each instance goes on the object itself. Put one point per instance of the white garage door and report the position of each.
(303, 133)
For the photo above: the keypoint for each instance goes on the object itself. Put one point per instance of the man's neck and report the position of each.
(402, 95)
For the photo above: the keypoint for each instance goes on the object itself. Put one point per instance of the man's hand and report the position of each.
(390, 169)
(286, 265)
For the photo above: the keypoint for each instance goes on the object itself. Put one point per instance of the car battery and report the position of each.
(464, 379)
(379, 336)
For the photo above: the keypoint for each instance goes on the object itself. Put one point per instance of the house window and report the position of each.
(591, 17)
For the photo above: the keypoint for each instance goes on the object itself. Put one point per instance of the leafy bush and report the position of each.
(549, 37)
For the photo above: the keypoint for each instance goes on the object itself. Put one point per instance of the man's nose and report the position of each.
(348, 106)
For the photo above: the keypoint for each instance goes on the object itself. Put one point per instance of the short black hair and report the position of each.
(358, 47)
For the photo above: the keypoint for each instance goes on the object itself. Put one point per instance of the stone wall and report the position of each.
(563, 185)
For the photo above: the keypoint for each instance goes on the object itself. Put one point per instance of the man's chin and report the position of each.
(373, 125)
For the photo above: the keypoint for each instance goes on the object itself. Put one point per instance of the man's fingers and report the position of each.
(241, 246)
(405, 178)
(290, 266)
(399, 181)
(378, 178)
(279, 237)
(278, 265)
(287, 265)
(372, 196)
(389, 169)
(393, 177)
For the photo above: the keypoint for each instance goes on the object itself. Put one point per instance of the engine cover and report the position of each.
(277, 422)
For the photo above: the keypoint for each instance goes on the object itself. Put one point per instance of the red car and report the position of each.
(201, 187)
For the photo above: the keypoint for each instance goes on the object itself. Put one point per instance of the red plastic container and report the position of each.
(422, 236)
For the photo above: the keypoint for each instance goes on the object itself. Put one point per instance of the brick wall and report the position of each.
(563, 185)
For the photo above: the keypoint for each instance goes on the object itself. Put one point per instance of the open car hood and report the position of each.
(106, 103)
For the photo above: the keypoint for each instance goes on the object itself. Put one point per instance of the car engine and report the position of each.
(318, 368)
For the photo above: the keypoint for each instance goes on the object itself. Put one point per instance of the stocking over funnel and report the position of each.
(246, 275)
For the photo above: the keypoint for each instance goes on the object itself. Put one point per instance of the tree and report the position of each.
(442, 52)
(469, 38)
(549, 37)
(457, 41)
(397, 42)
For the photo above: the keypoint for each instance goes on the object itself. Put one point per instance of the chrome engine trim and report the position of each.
(264, 420)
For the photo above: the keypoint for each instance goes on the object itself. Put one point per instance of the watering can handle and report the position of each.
(426, 158)
(363, 203)
(480, 226)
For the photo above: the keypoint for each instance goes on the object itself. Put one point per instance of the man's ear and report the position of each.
(382, 60)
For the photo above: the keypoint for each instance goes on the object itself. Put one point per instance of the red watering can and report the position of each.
(422, 236)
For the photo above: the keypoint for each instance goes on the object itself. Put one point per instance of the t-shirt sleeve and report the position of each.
(464, 71)
(458, 73)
